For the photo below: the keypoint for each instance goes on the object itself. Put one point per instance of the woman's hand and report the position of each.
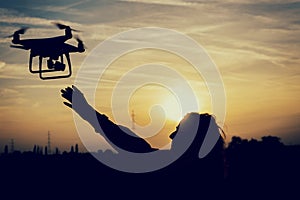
(75, 100)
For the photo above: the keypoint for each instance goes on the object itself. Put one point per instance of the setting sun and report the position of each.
(172, 108)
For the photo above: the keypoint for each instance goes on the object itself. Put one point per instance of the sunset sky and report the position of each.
(254, 44)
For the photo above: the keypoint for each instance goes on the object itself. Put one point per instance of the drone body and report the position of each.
(52, 48)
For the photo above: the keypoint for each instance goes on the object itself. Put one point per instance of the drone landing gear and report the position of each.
(52, 67)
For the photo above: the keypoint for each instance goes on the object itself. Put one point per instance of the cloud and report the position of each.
(15, 71)
(6, 92)
(36, 105)
(40, 86)
(2, 65)
(11, 17)
(25, 20)
(252, 2)
(160, 2)
(11, 97)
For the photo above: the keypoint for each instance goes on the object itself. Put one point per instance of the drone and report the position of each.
(52, 48)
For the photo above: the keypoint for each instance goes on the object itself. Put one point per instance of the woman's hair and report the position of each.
(212, 165)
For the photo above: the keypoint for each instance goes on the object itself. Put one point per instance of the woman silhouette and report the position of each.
(208, 169)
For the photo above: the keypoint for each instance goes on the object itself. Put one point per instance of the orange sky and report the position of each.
(254, 45)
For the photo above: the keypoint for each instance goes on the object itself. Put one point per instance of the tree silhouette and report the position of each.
(56, 151)
(6, 150)
(76, 148)
(34, 149)
(72, 149)
(271, 141)
(37, 149)
(46, 150)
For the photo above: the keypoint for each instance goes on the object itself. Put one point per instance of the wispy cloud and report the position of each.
(40, 86)
(162, 2)
(13, 17)
(14, 71)
(4, 92)
(2, 64)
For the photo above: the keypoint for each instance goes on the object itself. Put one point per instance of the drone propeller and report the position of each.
(62, 26)
(20, 31)
(77, 38)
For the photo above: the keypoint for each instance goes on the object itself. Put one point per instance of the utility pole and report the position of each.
(49, 144)
(132, 120)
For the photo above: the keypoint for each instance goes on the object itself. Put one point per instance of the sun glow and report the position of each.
(172, 108)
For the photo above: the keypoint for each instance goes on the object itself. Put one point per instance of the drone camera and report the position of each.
(50, 64)
(58, 66)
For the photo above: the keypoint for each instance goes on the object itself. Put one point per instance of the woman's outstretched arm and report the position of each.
(110, 131)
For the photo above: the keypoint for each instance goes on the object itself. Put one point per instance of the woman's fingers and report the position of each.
(68, 104)
(67, 93)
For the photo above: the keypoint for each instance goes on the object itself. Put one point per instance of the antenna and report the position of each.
(49, 144)
(132, 119)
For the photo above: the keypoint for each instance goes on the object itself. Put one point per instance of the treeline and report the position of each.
(40, 150)
(266, 159)
(236, 147)
(237, 144)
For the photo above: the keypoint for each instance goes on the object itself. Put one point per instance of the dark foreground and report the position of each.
(252, 170)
